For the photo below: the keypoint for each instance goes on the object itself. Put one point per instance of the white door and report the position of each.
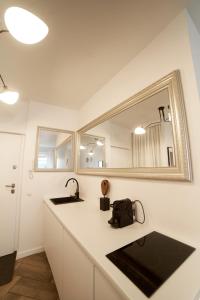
(10, 160)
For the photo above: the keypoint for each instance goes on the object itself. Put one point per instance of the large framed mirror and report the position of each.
(145, 136)
(54, 150)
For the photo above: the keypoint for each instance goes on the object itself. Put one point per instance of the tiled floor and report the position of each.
(32, 280)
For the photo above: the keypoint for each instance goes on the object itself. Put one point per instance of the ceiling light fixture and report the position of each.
(24, 26)
(8, 96)
(91, 152)
(82, 147)
(99, 143)
(139, 130)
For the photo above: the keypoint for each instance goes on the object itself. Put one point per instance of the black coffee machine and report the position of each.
(125, 213)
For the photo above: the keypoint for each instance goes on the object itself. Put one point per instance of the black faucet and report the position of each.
(76, 196)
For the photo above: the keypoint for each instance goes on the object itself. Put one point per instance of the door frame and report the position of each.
(19, 184)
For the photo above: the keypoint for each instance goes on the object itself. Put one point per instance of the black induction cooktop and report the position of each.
(151, 260)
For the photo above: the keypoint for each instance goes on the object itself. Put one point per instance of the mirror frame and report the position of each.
(183, 169)
(39, 128)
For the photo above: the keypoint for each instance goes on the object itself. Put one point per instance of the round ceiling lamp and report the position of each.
(24, 26)
(7, 95)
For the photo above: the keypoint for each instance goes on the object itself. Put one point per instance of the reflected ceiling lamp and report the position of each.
(24, 26)
(82, 147)
(99, 143)
(142, 130)
(139, 130)
(7, 95)
(91, 152)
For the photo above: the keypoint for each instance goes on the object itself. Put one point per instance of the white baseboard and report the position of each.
(25, 253)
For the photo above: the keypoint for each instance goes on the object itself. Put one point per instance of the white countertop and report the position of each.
(89, 227)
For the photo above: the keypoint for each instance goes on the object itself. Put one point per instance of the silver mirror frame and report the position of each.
(36, 169)
(183, 169)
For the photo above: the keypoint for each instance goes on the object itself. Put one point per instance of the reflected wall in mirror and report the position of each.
(145, 137)
(54, 150)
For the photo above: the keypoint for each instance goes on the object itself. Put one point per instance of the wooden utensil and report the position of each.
(105, 187)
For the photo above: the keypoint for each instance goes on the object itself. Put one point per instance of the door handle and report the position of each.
(11, 186)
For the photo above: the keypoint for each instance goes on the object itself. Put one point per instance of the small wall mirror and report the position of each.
(54, 150)
(144, 137)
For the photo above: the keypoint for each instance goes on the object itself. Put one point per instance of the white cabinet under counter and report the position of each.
(78, 271)
(73, 272)
(53, 245)
(77, 238)
(103, 289)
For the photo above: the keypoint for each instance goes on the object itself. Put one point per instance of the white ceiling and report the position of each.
(88, 43)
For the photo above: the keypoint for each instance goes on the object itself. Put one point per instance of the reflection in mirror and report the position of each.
(54, 150)
(152, 132)
(141, 136)
(92, 151)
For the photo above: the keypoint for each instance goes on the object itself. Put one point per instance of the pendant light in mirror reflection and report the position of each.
(8, 96)
(82, 147)
(24, 26)
(91, 152)
(99, 142)
(140, 130)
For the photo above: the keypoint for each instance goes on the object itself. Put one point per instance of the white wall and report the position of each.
(13, 118)
(195, 45)
(194, 11)
(35, 185)
(24, 118)
(171, 206)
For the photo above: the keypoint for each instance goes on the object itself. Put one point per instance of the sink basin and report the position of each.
(64, 200)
